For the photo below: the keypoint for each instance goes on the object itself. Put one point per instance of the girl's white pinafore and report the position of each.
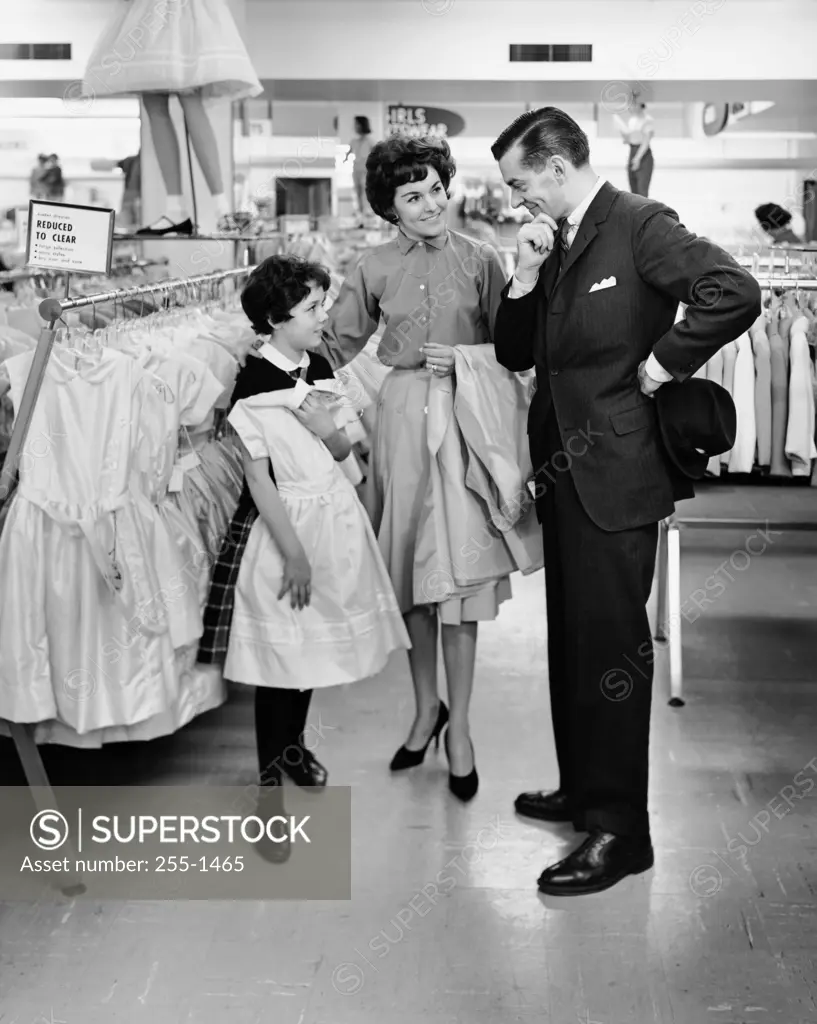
(353, 622)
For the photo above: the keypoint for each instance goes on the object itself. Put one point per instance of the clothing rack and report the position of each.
(51, 310)
(33, 274)
(668, 580)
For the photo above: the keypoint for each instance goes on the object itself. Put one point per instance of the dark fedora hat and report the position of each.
(697, 420)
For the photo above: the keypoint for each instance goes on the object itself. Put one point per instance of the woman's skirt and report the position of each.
(174, 46)
(396, 496)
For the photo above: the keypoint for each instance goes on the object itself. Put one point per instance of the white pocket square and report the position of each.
(608, 282)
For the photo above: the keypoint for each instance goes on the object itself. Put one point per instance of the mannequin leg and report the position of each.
(203, 140)
(164, 140)
(166, 146)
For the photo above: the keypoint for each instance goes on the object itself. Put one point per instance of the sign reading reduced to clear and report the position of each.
(423, 121)
(77, 239)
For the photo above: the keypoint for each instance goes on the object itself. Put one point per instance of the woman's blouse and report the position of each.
(444, 290)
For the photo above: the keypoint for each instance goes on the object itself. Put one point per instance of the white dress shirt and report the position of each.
(574, 219)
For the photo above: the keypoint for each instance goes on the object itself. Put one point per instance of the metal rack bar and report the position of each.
(805, 284)
(51, 309)
(272, 237)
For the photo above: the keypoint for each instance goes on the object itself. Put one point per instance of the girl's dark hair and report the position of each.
(276, 286)
(399, 160)
(363, 126)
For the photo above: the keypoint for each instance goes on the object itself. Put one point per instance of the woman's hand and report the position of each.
(316, 417)
(634, 165)
(297, 579)
(439, 359)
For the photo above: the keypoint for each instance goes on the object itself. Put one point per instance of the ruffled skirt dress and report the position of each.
(176, 46)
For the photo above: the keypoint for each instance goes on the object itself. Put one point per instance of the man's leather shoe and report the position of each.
(599, 863)
(544, 806)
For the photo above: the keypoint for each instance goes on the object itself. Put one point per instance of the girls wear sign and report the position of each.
(417, 122)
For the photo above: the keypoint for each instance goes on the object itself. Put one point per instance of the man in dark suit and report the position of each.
(592, 306)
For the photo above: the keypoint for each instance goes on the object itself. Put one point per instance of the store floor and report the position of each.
(708, 935)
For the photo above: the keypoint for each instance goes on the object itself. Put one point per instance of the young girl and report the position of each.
(313, 603)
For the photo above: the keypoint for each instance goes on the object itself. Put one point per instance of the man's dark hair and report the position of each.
(542, 134)
(276, 286)
(398, 160)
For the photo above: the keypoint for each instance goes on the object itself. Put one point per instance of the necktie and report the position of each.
(298, 374)
(561, 241)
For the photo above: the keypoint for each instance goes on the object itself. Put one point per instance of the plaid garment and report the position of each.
(218, 613)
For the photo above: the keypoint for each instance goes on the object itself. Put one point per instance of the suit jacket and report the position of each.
(586, 348)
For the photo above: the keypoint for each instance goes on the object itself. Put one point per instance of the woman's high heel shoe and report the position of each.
(405, 758)
(464, 787)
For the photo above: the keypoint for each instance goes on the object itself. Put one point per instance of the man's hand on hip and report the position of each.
(646, 383)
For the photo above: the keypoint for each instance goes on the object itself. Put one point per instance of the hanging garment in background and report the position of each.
(763, 391)
(742, 456)
(780, 399)
(730, 354)
(799, 443)
(714, 372)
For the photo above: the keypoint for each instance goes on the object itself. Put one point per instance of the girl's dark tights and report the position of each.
(280, 720)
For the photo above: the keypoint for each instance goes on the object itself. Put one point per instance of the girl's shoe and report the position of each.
(165, 226)
(405, 758)
(464, 787)
(307, 771)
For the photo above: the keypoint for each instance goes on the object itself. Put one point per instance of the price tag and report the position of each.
(176, 479)
(76, 239)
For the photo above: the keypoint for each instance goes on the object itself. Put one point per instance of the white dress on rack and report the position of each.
(174, 46)
(353, 623)
(77, 555)
(185, 394)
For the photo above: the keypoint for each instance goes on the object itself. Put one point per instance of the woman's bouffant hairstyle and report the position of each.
(397, 161)
(276, 286)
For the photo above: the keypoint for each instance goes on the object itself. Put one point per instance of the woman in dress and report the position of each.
(359, 149)
(637, 132)
(434, 289)
(188, 47)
